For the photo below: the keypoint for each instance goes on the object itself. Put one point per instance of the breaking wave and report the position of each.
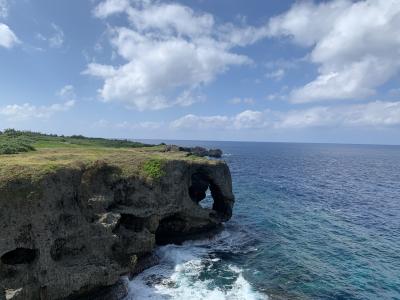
(194, 271)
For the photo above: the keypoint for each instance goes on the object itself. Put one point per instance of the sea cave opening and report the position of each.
(207, 194)
(203, 191)
(169, 230)
(132, 222)
(19, 256)
(200, 192)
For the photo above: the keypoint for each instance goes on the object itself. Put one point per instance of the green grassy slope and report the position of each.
(30, 155)
(13, 141)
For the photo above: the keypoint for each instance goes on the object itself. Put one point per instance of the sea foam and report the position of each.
(192, 271)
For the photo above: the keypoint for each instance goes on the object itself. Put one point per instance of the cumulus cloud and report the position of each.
(169, 49)
(354, 43)
(17, 112)
(107, 8)
(373, 114)
(8, 39)
(26, 111)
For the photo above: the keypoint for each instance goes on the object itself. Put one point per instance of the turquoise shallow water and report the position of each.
(311, 221)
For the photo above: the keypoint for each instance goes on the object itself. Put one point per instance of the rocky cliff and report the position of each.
(78, 228)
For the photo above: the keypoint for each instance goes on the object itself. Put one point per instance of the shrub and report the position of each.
(15, 145)
(154, 168)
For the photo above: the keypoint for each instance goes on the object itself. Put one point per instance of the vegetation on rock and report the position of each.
(15, 145)
(14, 141)
(154, 168)
(26, 155)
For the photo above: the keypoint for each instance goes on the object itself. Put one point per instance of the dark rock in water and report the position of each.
(198, 151)
(76, 230)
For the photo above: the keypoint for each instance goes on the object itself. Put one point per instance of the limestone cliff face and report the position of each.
(77, 230)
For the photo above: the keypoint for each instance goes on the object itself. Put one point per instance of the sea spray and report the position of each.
(194, 271)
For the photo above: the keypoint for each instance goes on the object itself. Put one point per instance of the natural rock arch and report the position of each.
(200, 183)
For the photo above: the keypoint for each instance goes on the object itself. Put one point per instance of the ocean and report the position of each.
(311, 221)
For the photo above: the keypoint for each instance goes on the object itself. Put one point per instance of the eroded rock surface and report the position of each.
(77, 231)
(197, 151)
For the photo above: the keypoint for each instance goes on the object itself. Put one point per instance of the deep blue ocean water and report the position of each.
(311, 221)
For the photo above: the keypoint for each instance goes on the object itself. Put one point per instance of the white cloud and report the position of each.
(242, 36)
(249, 119)
(169, 49)
(4, 6)
(277, 69)
(237, 100)
(276, 75)
(373, 114)
(354, 43)
(200, 122)
(16, 112)
(107, 8)
(8, 39)
(275, 96)
(26, 111)
(55, 39)
(100, 70)
(128, 125)
(67, 92)
(244, 120)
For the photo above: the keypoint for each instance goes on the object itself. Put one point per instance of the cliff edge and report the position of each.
(73, 221)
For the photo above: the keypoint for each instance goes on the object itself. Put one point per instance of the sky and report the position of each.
(243, 70)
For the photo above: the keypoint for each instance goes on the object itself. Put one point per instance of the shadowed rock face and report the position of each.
(78, 231)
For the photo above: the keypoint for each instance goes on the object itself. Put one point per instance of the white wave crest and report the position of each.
(188, 272)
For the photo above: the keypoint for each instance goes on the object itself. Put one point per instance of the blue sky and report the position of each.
(301, 71)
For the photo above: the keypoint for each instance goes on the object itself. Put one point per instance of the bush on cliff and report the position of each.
(154, 168)
(14, 145)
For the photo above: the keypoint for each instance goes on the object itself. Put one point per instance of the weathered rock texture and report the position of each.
(197, 151)
(78, 230)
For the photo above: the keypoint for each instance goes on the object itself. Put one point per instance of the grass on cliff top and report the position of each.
(52, 153)
(13, 142)
(154, 168)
